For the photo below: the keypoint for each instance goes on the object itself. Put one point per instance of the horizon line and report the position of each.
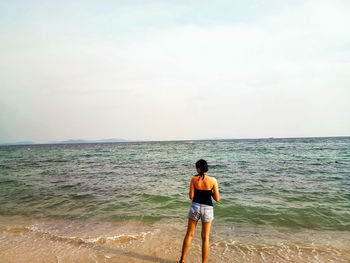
(120, 140)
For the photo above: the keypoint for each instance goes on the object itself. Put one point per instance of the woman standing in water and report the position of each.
(202, 188)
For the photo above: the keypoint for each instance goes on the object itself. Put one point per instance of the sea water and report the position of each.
(282, 200)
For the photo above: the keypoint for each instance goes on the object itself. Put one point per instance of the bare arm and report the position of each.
(191, 193)
(216, 194)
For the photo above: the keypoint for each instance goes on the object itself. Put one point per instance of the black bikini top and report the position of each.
(203, 196)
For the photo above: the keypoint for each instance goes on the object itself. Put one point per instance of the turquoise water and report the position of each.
(292, 183)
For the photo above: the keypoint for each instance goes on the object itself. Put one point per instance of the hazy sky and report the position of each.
(173, 69)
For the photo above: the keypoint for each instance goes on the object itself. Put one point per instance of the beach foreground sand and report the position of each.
(57, 240)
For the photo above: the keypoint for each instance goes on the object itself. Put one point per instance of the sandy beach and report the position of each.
(49, 241)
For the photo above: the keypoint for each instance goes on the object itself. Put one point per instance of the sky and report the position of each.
(173, 70)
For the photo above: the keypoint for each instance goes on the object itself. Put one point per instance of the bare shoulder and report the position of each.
(213, 180)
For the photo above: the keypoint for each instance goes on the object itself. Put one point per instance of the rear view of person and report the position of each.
(202, 188)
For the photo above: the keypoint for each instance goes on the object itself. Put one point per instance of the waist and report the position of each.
(201, 205)
(202, 202)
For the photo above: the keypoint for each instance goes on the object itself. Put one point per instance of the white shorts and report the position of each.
(201, 211)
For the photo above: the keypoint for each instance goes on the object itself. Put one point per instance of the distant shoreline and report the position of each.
(81, 141)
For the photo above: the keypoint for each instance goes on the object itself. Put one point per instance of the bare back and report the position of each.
(203, 184)
(208, 183)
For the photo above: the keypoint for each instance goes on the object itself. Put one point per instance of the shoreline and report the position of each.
(49, 240)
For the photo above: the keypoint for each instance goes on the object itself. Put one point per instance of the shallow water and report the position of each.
(282, 200)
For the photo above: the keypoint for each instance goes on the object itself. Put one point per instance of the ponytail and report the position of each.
(200, 175)
(203, 167)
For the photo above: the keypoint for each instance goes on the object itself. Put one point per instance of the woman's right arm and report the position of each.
(216, 194)
(191, 193)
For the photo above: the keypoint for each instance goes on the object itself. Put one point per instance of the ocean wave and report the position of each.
(4, 182)
(234, 251)
(280, 182)
(99, 240)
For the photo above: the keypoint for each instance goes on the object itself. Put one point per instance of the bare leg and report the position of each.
(191, 228)
(205, 240)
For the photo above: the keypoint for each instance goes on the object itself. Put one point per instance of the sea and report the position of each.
(282, 200)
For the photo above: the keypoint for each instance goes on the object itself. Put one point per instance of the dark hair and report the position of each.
(203, 166)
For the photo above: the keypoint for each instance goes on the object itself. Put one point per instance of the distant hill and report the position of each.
(71, 141)
(92, 141)
(18, 143)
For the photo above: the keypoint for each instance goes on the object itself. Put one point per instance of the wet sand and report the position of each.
(57, 240)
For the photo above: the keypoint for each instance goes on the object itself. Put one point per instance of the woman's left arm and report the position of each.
(216, 194)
